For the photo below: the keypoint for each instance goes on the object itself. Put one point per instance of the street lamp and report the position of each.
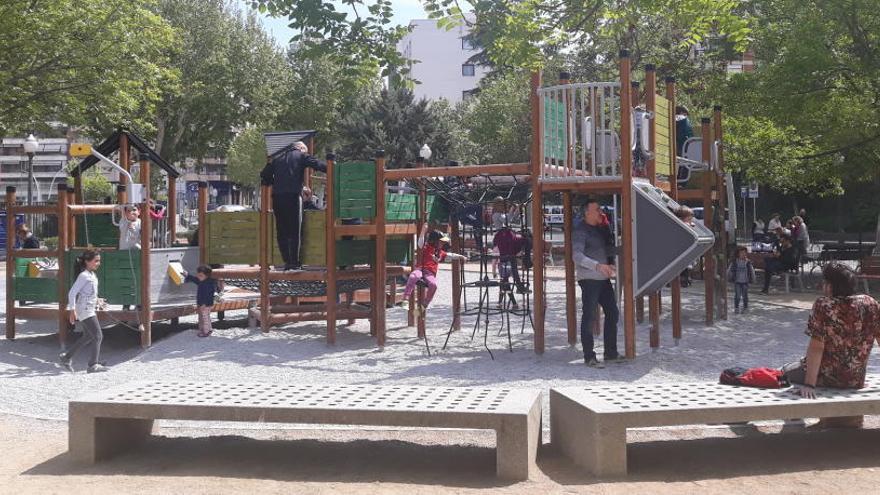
(30, 148)
(425, 152)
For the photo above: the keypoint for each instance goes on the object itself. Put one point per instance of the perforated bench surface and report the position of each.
(108, 421)
(589, 423)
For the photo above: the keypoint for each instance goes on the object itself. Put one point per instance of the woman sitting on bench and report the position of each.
(783, 260)
(842, 328)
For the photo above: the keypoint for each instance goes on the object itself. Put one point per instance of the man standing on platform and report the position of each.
(593, 252)
(286, 174)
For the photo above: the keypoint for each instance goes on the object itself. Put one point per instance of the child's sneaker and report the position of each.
(97, 368)
(65, 361)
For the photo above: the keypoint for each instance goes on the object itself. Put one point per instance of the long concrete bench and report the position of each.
(105, 423)
(588, 424)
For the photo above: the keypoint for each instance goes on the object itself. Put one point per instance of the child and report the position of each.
(207, 287)
(431, 253)
(741, 273)
(82, 303)
(130, 228)
(509, 244)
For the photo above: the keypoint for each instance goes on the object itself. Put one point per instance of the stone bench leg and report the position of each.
(516, 445)
(597, 444)
(92, 439)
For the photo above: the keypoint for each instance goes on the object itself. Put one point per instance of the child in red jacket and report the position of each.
(430, 255)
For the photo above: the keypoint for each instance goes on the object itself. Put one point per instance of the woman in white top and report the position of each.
(82, 302)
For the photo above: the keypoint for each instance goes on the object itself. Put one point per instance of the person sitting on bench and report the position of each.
(783, 260)
(431, 253)
(842, 327)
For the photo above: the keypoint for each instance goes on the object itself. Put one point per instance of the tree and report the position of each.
(95, 186)
(246, 158)
(397, 123)
(231, 74)
(87, 64)
(498, 120)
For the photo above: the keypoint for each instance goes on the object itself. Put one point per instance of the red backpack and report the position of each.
(754, 377)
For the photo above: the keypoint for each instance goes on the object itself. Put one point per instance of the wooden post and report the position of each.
(456, 275)
(708, 219)
(422, 220)
(307, 181)
(629, 323)
(124, 157)
(537, 162)
(331, 250)
(146, 236)
(722, 204)
(640, 309)
(10, 261)
(265, 248)
(673, 193)
(71, 220)
(380, 278)
(63, 242)
(570, 295)
(651, 172)
(77, 190)
(172, 210)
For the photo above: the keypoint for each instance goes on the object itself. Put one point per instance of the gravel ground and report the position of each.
(34, 385)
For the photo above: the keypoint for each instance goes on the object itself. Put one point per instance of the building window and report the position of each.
(468, 94)
(468, 70)
(468, 44)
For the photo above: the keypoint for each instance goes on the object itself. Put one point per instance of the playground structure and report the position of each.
(133, 283)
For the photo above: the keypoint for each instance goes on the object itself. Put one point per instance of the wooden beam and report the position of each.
(380, 280)
(690, 194)
(124, 158)
(146, 235)
(456, 276)
(721, 186)
(674, 194)
(708, 214)
(10, 261)
(64, 218)
(651, 173)
(34, 253)
(465, 171)
(629, 324)
(536, 162)
(330, 241)
(583, 186)
(570, 294)
(264, 247)
(89, 209)
(71, 221)
(203, 222)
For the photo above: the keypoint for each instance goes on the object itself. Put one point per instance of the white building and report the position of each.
(49, 160)
(438, 61)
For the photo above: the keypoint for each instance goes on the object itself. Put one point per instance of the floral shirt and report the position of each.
(848, 327)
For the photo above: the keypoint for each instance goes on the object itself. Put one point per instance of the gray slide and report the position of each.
(663, 245)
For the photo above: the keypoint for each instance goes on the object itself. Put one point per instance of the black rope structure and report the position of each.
(300, 288)
(466, 200)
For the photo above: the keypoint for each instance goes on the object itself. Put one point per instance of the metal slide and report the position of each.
(663, 245)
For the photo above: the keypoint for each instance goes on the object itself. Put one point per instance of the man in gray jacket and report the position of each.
(593, 253)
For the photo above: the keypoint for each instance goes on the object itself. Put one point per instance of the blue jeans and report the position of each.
(595, 293)
(741, 293)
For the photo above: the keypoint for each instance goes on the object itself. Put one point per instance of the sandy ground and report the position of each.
(34, 393)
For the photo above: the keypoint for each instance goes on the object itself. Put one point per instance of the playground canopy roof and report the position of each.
(111, 145)
(276, 142)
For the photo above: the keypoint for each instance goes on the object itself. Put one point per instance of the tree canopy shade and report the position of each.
(246, 158)
(98, 64)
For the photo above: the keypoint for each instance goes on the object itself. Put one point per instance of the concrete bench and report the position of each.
(105, 423)
(588, 424)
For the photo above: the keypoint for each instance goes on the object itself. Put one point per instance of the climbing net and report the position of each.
(300, 288)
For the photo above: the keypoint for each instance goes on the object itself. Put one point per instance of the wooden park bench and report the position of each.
(589, 424)
(108, 422)
(869, 269)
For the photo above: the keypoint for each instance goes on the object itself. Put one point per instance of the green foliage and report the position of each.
(95, 186)
(87, 64)
(231, 74)
(396, 122)
(246, 158)
(498, 121)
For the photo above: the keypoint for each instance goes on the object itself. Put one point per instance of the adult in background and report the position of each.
(842, 328)
(683, 128)
(26, 238)
(593, 253)
(286, 174)
(802, 239)
(783, 260)
(804, 217)
(758, 229)
(308, 200)
(774, 223)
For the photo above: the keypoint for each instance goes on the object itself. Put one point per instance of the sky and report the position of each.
(404, 11)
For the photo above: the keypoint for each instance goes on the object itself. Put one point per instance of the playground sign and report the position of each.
(753, 190)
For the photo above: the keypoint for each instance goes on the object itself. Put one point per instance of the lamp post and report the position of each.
(30, 148)
(425, 152)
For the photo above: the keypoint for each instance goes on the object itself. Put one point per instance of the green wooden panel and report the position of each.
(100, 232)
(401, 207)
(397, 250)
(39, 290)
(354, 187)
(437, 210)
(21, 265)
(232, 237)
(555, 145)
(118, 276)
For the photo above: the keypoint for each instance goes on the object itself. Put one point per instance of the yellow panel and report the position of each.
(80, 149)
(662, 137)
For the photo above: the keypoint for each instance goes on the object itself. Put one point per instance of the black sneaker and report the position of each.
(593, 362)
(65, 361)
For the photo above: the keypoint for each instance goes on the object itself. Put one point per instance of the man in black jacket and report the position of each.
(286, 174)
